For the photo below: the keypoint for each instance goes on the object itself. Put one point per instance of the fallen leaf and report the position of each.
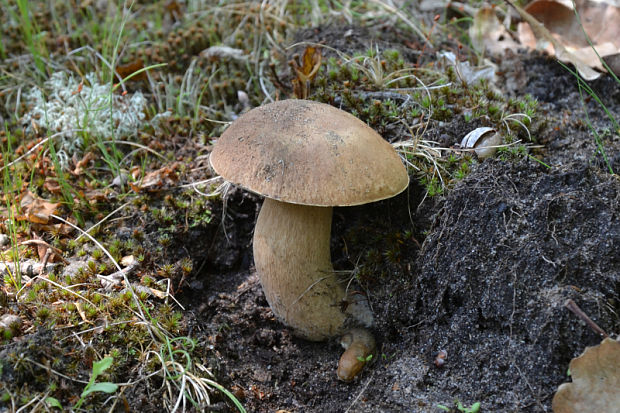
(596, 380)
(613, 61)
(466, 73)
(157, 293)
(124, 71)
(42, 247)
(52, 186)
(35, 209)
(127, 260)
(488, 34)
(156, 180)
(564, 32)
(57, 229)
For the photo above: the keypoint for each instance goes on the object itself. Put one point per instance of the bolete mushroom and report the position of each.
(306, 157)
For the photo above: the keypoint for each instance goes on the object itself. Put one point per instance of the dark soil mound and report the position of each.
(510, 245)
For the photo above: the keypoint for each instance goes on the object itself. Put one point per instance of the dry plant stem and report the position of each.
(571, 305)
(292, 257)
(46, 258)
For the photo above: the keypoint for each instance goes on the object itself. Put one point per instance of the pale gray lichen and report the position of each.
(62, 105)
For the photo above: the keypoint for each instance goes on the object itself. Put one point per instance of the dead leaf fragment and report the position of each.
(557, 30)
(35, 209)
(613, 61)
(125, 71)
(466, 73)
(596, 380)
(487, 33)
(155, 180)
(127, 260)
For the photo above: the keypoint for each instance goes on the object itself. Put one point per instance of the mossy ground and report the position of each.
(474, 258)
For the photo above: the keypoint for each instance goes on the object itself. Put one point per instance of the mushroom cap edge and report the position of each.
(308, 153)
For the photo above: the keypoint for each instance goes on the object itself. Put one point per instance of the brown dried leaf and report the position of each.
(57, 229)
(565, 38)
(156, 180)
(95, 196)
(36, 210)
(157, 293)
(52, 186)
(487, 33)
(613, 61)
(596, 380)
(42, 248)
(124, 71)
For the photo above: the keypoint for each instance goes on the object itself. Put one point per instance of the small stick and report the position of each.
(571, 305)
(46, 258)
(276, 80)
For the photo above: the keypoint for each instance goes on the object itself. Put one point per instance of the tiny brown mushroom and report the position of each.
(305, 158)
(359, 345)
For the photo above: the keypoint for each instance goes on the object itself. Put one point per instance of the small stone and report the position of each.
(10, 322)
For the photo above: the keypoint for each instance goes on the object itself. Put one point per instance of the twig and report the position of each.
(571, 305)
(360, 393)
(29, 267)
(46, 258)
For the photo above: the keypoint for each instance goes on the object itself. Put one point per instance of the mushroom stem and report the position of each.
(292, 257)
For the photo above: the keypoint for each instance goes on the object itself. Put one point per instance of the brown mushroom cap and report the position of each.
(308, 153)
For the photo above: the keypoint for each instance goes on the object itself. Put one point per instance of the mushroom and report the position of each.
(306, 157)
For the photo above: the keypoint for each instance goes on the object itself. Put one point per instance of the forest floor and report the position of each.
(479, 267)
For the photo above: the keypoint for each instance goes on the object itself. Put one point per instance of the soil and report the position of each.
(483, 276)
(476, 278)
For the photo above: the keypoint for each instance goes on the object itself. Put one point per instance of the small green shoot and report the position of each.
(365, 359)
(105, 387)
(31, 35)
(10, 185)
(53, 402)
(474, 408)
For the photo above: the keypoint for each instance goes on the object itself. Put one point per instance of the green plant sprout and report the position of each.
(9, 185)
(92, 387)
(365, 359)
(474, 408)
